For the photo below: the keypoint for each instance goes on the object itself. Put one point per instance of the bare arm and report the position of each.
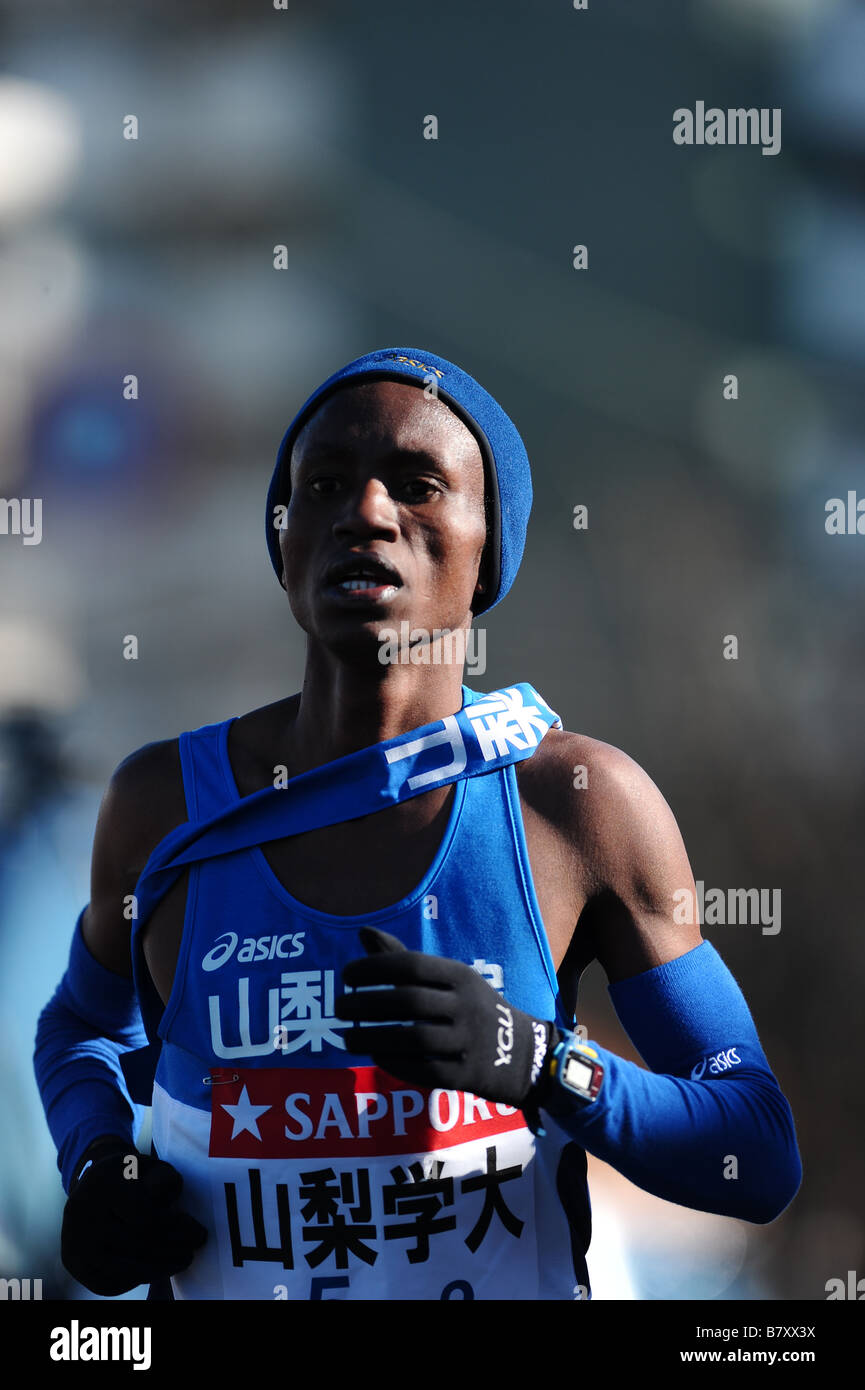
(676, 1129)
(139, 807)
(143, 802)
(634, 863)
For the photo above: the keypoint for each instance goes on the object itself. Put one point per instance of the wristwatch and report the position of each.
(575, 1069)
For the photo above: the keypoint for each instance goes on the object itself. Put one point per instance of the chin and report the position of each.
(356, 642)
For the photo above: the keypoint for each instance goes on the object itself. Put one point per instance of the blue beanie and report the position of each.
(506, 465)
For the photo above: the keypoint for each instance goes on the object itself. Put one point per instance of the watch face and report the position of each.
(577, 1074)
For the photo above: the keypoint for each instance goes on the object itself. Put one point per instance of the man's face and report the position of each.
(386, 517)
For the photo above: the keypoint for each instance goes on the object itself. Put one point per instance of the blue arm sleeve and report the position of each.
(714, 1131)
(91, 1020)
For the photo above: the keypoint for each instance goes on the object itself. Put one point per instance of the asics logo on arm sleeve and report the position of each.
(253, 949)
(719, 1062)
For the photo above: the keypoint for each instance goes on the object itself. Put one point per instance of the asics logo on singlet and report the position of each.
(718, 1063)
(254, 948)
(504, 1037)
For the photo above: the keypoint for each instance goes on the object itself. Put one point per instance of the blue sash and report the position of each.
(489, 732)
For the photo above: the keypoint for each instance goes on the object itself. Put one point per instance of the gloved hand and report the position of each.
(462, 1034)
(119, 1232)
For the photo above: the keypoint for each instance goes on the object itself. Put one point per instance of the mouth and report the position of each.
(362, 580)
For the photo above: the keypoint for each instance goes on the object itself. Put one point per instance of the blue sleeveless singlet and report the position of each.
(316, 1174)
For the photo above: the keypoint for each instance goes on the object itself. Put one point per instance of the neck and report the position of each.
(344, 708)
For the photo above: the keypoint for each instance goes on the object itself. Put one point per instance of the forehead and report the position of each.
(391, 415)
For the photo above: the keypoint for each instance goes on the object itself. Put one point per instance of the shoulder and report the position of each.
(600, 800)
(143, 801)
(569, 762)
(145, 797)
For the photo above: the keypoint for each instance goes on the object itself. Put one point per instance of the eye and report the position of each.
(418, 488)
(324, 483)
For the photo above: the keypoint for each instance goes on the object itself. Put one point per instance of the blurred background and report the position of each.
(154, 256)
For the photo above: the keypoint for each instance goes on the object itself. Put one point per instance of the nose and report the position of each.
(369, 510)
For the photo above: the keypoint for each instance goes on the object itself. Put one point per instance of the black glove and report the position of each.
(119, 1232)
(463, 1035)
